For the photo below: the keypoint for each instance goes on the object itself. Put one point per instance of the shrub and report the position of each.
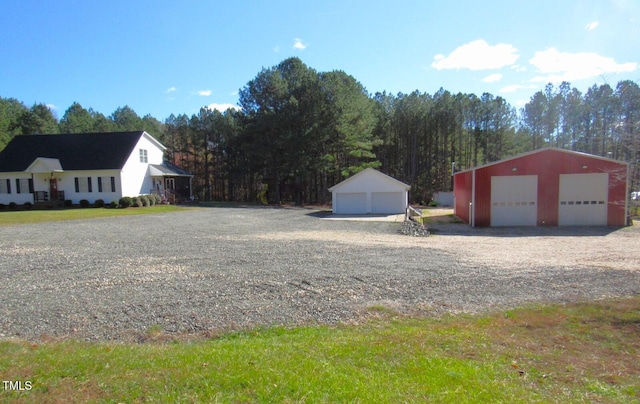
(136, 202)
(13, 205)
(3, 206)
(144, 200)
(68, 203)
(125, 202)
(27, 205)
(99, 203)
(158, 199)
(113, 204)
(84, 203)
(152, 200)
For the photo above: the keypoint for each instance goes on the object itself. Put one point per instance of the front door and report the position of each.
(53, 188)
(170, 183)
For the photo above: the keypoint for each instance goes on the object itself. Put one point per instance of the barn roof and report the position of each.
(78, 151)
(543, 150)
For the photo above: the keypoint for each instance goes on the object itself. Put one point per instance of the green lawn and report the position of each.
(8, 217)
(575, 353)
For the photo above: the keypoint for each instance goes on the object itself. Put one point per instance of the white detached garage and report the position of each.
(369, 191)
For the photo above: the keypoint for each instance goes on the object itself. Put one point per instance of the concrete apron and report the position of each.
(368, 218)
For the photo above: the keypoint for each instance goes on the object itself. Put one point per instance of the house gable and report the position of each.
(44, 165)
(370, 180)
(137, 170)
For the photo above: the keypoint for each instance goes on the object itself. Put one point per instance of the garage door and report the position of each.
(351, 203)
(514, 200)
(583, 199)
(387, 202)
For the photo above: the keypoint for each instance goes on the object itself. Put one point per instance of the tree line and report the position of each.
(299, 131)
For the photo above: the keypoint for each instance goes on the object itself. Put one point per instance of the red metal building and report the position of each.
(546, 187)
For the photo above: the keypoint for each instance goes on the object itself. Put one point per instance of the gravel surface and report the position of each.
(208, 270)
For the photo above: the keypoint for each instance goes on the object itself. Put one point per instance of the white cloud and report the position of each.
(556, 66)
(223, 107)
(51, 107)
(276, 49)
(171, 90)
(204, 93)
(492, 78)
(592, 25)
(477, 55)
(298, 44)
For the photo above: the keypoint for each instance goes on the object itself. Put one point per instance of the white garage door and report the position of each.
(387, 202)
(514, 200)
(583, 199)
(351, 203)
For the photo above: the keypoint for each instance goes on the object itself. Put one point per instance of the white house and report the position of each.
(369, 191)
(53, 168)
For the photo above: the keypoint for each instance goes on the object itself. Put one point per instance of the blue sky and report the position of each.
(163, 57)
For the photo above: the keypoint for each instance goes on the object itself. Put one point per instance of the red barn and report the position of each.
(546, 187)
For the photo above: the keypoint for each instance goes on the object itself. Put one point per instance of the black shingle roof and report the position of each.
(84, 151)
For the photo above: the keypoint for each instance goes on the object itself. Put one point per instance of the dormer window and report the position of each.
(143, 156)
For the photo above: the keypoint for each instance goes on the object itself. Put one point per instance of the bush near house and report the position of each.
(139, 201)
(144, 200)
(157, 198)
(124, 202)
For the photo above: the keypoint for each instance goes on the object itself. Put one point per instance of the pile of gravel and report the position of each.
(208, 270)
(411, 228)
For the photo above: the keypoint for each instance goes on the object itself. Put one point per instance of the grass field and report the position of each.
(575, 353)
(53, 215)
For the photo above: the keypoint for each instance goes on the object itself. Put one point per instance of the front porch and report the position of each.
(45, 179)
(45, 199)
(171, 183)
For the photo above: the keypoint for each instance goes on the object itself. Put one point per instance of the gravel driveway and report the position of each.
(213, 269)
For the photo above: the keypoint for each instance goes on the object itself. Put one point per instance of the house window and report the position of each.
(106, 184)
(5, 186)
(83, 184)
(24, 185)
(143, 156)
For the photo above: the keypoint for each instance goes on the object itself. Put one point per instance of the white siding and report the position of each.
(68, 185)
(135, 174)
(19, 198)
